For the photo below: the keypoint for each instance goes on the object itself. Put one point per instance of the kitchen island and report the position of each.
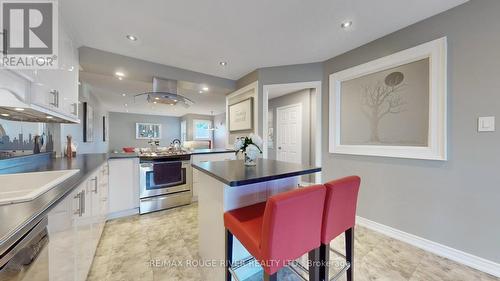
(229, 185)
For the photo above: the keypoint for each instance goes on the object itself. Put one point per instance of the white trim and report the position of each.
(316, 85)
(436, 51)
(461, 257)
(124, 213)
(299, 135)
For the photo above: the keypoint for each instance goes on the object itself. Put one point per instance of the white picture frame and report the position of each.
(241, 116)
(147, 131)
(436, 148)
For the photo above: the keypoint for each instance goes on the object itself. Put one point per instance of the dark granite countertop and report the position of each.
(16, 219)
(123, 155)
(210, 151)
(235, 173)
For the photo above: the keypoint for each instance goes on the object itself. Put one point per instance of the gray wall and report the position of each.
(76, 130)
(302, 97)
(456, 203)
(122, 129)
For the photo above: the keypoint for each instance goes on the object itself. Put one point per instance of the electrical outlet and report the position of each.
(486, 124)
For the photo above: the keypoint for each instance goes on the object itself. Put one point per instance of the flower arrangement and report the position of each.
(250, 147)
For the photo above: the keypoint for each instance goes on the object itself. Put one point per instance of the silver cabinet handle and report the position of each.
(78, 210)
(95, 184)
(55, 101)
(82, 208)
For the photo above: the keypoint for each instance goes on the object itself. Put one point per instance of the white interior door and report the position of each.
(289, 133)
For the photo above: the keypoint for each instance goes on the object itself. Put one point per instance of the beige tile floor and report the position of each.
(128, 246)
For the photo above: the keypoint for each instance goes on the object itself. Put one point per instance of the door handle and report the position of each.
(82, 207)
(78, 210)
(55, 101)
(95, 184)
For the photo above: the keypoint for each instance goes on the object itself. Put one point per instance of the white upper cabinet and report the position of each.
(56, 90)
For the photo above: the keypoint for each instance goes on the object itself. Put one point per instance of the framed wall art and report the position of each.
(147, 131)
(241, 115)
(394, 106)
(88, 122)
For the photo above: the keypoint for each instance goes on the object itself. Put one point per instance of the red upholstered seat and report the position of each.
(281, 230)
(340, 207)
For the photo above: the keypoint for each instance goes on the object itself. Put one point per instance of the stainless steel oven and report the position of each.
(175, 188)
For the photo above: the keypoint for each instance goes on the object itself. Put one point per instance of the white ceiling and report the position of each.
(197, 35)
(110, 90)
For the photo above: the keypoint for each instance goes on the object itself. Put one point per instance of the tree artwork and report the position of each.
(382, 99)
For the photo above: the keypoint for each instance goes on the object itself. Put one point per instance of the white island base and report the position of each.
(215, 198)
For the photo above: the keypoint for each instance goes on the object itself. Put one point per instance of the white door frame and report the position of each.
(300, 124)
(316, 85)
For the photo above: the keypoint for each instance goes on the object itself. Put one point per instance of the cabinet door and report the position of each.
(123, 184)
(83, 232)
(62, 246)
(104, 194)
(68, 71)
(44, 89)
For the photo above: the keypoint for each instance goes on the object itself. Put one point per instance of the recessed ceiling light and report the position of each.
(120, 78)
(131, 37)
(19, 109)
(125, 105)
(49, 117)
(5, 115)
(124, 95)
(205, 89)
(201, 92)
(157, 98)
(223, 63)
(119, 74)
(346, 24)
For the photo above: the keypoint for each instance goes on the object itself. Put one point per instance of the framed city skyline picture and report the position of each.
(394, 106)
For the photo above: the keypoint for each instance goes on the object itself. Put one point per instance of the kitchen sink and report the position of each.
(22, 187)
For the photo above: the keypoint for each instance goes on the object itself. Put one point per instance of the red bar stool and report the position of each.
(339, 216)
(278, 231)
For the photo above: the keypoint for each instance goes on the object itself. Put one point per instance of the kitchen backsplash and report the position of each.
(17, 138)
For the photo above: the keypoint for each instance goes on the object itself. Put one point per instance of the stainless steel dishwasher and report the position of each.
(28, 258)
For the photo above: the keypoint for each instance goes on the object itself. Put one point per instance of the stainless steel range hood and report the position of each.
(165, 92)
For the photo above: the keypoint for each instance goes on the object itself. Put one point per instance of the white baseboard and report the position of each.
(476, 262)
(121, 214)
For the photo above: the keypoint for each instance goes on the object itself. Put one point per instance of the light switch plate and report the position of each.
(486, 124)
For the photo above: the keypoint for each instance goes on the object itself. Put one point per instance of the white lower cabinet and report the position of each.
(123, 187)
(209, 157)
(75, 227)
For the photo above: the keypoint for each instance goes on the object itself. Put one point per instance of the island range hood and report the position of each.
(165, 92)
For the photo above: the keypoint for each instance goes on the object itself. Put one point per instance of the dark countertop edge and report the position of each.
(73, 182)
(257, 180)
(214, 151)
(122, 155)
(135, 155)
